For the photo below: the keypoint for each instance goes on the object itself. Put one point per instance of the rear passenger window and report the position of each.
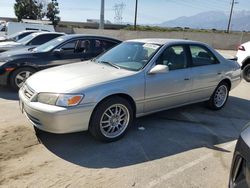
(201, 56)
(174, 57)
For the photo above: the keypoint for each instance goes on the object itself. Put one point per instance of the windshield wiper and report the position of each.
(109, 63)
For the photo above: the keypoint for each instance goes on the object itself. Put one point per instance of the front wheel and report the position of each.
(219, 97)
(246, 73)
(111, 119)
(19, 76)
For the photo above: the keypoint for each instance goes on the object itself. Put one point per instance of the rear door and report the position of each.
(206, 72)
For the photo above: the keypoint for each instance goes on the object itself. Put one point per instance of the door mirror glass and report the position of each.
(159, 69)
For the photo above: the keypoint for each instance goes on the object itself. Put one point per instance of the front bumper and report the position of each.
(56, 119)
(3, 77)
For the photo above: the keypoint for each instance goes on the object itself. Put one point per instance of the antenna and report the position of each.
(118, 8)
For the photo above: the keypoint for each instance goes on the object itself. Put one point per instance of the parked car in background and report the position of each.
(243, 55)
(14, 27)
(32, 40)
(133, 79)
(17, 65)
(240, 168)
(16, 36)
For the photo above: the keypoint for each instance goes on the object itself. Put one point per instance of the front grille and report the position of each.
(28, 92)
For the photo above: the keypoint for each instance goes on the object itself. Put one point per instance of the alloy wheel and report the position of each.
(220, 96)
(114, 120)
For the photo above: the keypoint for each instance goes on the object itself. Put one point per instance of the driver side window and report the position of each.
(174, 57)
(77, 47)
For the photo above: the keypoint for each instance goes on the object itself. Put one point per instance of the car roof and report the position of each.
(27, 31)
(163, 41)
(45, 32)
(72, 36)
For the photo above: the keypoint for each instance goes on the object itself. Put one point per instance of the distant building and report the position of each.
(98, 21)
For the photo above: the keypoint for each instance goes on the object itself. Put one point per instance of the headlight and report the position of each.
(60, 99)
(69, 100)
(47, 98)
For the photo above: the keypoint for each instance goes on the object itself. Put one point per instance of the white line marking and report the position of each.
(164, 177)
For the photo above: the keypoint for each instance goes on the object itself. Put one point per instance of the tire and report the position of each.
(246, 72)
(18, 77)
(113, 114)
(219, 98)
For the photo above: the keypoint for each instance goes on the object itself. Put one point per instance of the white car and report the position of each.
(243, 56)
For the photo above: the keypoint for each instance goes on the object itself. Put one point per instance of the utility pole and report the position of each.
(136, 4)
(101, 25)
(230, 16)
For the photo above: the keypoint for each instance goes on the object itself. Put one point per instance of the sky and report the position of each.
(149, 11)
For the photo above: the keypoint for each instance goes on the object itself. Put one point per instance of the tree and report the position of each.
(28, 9)
(52, 12)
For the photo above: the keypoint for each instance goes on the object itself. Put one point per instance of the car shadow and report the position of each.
(8, 93)
(155, 136)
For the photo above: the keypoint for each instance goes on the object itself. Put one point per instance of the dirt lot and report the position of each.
(184, 147)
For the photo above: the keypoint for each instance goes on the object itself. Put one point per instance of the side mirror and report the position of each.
(159, 69)
(58, 52)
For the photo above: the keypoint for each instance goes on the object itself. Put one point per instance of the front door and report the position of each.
(165, 90)
(71, 52)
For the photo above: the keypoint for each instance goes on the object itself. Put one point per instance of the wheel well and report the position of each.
(125, 96)
(17, 69)
(246, 62)
(228, 82)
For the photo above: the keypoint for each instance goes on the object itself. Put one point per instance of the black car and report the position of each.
(17, 65)
(240, 169)
(17, 36)
(32, 40)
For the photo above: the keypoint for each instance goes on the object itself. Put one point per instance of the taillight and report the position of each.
(242, 48)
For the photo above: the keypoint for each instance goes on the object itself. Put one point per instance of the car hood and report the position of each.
(9, 44)
(75, 77)
(16, 52)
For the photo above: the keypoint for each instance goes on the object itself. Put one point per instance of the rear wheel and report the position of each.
(19, 76)
(246, 73)
(111, 119)
(219, 97)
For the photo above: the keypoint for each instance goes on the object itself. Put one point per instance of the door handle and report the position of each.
(219, 73)
(186, 78)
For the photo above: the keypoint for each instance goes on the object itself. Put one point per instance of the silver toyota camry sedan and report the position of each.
(136, 78)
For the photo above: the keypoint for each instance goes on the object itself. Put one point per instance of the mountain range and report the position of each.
(212, 20)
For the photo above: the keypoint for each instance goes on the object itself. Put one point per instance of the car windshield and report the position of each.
(27, 39)
(49, 45)
(129, 55)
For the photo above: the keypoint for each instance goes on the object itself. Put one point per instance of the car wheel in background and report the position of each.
(246, 73)
(111, 119)
(18, 77)
(219, 97)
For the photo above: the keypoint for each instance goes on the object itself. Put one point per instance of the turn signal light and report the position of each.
(74, 100)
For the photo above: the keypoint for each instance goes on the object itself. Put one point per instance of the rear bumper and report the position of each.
(56, 119)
